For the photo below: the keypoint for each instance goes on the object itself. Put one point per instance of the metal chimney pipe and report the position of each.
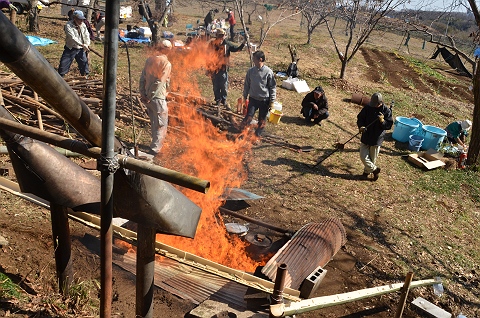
(147, 198)
(107, 162)
(17, 53)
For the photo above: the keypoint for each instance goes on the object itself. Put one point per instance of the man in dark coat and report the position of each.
(315, 106)
(209, 17)
(372, 121)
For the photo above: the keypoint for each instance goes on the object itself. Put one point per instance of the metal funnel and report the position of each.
(43, 171)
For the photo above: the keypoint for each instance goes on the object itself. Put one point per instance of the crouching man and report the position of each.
(315, 106)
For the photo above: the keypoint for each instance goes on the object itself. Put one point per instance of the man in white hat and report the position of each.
(218, 66)
(154, 82)
(77, 44)
(457, 132)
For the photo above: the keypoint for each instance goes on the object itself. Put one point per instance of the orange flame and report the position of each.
(204, 152)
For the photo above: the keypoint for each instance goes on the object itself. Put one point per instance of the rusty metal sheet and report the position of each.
(189, 283)
(312, 246)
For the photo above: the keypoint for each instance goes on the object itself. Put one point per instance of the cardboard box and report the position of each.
(429, 159)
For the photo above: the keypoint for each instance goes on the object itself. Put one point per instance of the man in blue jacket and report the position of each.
(372, 121)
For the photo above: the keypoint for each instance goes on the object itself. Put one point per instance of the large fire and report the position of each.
(194, 146)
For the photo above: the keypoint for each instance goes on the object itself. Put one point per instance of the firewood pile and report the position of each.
(30, 109)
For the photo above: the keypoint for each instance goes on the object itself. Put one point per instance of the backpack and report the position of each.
(292, 70)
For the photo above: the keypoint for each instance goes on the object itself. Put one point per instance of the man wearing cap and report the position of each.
(154, 82)
(218, 65)
(77, 44)
(457, 132)
(372, 121)
(315, 106)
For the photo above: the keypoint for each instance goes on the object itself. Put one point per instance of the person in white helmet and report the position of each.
(154, 82)
(77, 44)
(457, 132)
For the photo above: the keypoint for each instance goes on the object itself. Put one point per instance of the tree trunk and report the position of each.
(474, 146)
(33, 17)
(309, 35)
(343, 69)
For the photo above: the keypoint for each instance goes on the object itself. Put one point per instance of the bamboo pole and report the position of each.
(39, 114)
(306, 305)
(403, 297)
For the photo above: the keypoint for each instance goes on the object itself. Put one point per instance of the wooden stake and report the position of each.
(403, 297)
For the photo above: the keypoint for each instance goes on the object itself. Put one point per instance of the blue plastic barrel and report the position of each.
(415, 142)
(403, 128)
(419, 130)
(432, 137)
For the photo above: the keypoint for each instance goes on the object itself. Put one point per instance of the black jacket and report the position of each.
(368, 117)
(222, 51)
(307, 101)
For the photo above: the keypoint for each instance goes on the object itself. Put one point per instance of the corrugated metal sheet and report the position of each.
(312, 246)
(190, 283)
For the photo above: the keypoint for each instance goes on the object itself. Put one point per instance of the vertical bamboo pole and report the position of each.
(403, 297)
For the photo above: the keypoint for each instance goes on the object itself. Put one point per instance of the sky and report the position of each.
(434, 5)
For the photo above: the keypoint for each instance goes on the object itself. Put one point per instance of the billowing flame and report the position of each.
(194, 146)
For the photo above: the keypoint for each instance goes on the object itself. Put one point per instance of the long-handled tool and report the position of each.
(95, 52)
(284, 144)
(339, 145)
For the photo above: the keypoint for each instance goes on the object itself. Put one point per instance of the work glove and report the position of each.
(381, 118)
(362, 129)
(12, 7)
(86, 48)
(270, 107)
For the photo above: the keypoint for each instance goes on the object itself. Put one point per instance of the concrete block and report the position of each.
(311, 283)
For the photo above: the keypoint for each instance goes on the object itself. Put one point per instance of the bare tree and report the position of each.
(361, 19)
(157, 18)
(316, 12)
(474, 146)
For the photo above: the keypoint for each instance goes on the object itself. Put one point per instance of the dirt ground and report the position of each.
(371, 257)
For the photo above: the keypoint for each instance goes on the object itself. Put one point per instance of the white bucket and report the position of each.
(277, 106)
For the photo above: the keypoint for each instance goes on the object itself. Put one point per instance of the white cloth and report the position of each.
(368, 155)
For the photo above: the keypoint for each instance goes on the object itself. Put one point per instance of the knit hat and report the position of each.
(79, 15)
(466, 124)
(376, 100)
(220, 31)
(167, 44)
(318, 90)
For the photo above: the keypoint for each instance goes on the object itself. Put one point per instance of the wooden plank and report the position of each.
(427, 307)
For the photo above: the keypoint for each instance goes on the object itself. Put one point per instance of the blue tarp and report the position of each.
(139, 40)
(38, 41)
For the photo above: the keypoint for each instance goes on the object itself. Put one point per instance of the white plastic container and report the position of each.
(277, 106)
